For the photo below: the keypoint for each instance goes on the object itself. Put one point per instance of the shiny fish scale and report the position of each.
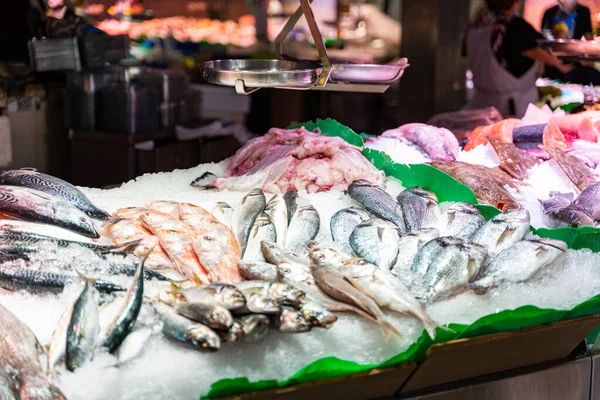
(376, 241)
(276, 209)
(419, 207)
(408, 247)
(503, 231)
(343, 223)
(304, 227)
(263, 229)
(377, 201)
(460, 220)
(244, 215)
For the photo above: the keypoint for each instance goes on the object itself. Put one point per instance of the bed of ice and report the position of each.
(169, 371)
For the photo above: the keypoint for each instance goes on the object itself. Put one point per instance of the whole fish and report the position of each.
(276, 209)
(304, 226)
(35, 206)
(376, 241)
(133, 345)
(125, 319)
(558, 206)
(282, 293)
(254, 327)
(317, 314)
(215, 244)
(242, 221)
(386, 291)
(54, 187)
(343, 224)
(518, 263)
(21, 374)
(428, 252)
(586, 203)
(211, 315)
(556, 202)
(183, 330)
(419, 207)
(460, 220)
(220, 294)
(176, 239)
(223, 212)
(575, 169)
(168, 207)
(408, 247)
(514, 161)
(263, 229)
(503, 231)
(130, 212)
(58, 346)
(258, 270)
(291, 321)
(82, 332)
(377, 201)
(290, 197)
(234, 334)
(258, 302)
(325, 269)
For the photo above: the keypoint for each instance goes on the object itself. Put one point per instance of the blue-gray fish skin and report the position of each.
(460, 220)
(376, 241)
(304, 227)
(377, 201)
(82, 333)
(419, 207)
(181, 329)
(343, 223)
(244, 216)
(291, 203)
(53, 186)
(503, 231)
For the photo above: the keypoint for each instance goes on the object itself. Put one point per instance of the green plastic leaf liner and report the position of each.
(330, 127)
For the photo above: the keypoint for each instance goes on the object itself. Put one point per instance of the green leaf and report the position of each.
(584, 237)
(331, 127)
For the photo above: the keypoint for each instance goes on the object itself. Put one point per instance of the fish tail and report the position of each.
(388, 329)
(430, 325)
(125, 247)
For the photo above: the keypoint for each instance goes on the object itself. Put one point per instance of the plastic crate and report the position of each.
(99, 50)
(54, 54)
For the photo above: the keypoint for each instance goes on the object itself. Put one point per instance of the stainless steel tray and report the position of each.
(572, 48)
(262, 73)
(367, 73)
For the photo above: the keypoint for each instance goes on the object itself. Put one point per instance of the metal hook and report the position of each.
(240, 88)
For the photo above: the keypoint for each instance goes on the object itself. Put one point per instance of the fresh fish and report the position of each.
(220, 294)
(125, 319)
(584, 209)
(282, 293)
(130, 270)
(332, 282)
(343, 223)
(317, 314)
(291, 321)
(258, 302)
(202, 180)
(575, 169)
(386, 291)
(58, 347)
(215, 244)
(460, 220)
(254, 327)
(263, 229)
(428, 252)
(408, 247)
(419, 207)
(377, 201)
(303, 228)
(133, 345)
(503, 231)
(35, 206)
(253, 204)
(211, 315)
(183, 330)
(169, 207)
(518, 263)
(21, 374)
(556, 202)
(276, 209)
(376, 241)
(234, 334)
(130, 212)
(54, 187)
(223, 212)
(559, 206)
(528, 133)
(514, 161)
(82, 332)
(176, 239)
(455, 263)
(258, 270)
(290, 197)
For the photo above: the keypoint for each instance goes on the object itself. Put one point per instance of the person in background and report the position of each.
(505, 59)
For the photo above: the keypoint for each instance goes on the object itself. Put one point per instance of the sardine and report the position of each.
(514, 161)
(257, 270)
(575, 169)
(460, 220)
(183, 330)
(419, 207)
(503, 231)
(263, 229)
(317, 314)
(255, 327)
(304, 226)
(518, 263)
(376, 241)
(291, 321)
(35, 206)
(211, 315)
(276, 209)
(253, 204)
(377, 201)
(58, 347)
(408, 247)
(82, 333)
(21, 374)
(224, 295)
(343, 224)
(133, 345)
(290, 197)
(54, 187)
(282, 293)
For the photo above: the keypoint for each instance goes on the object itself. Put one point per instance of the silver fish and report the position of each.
(386, 291)
(343, 223)
(133, 345)
(281, 293)
(377, 201)
(584, 210)
(185, 331)
(35, 206)
(253, 204)
(460, 220)
(213, 316)
(202, 180)
(257, 270)
(54, 187)
(223, 212)
(220, 294)
(426, 254)
(58, 347)
(376, 241)
(234, 334)
(258, 302)
(304, 226)
(291, 321)
(254, 327)
(82, 333)
(21, 374)
(518, 263)
(290, 197)
(408, 247)
(263, 229)
(419, 207)
(503, 231)
(317, 314)
(277, 211)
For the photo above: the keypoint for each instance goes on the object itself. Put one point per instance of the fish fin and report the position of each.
(85, 278)
(479, 289)
(125, 247)
(111, 221)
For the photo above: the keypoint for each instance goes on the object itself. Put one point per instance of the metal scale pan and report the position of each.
(573, 49)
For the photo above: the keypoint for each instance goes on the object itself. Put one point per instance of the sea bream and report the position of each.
(419, 208)
(583, 211)
(376, 241)
(342, 225)
(503, 231)
(378, 201)
(253, 204)
(35, 206)
(460, 220)
(408, 247)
